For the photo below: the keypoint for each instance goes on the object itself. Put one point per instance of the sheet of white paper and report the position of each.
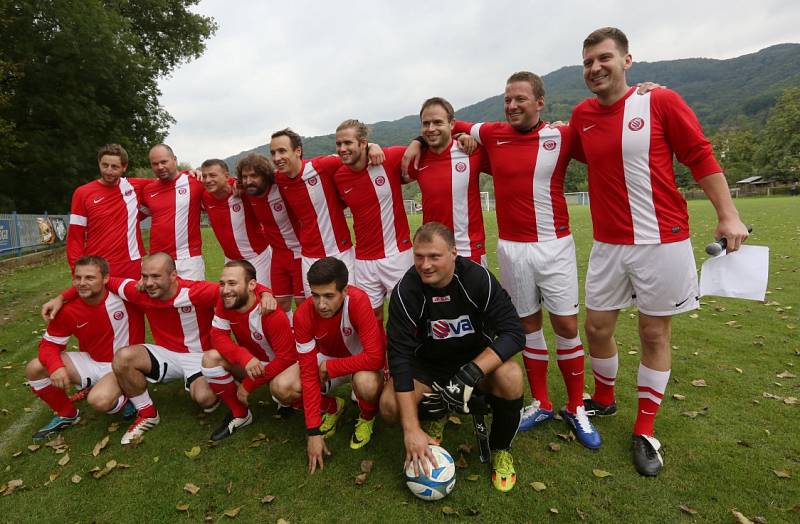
(741, 274)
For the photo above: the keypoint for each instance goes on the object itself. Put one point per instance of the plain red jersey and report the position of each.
(375, 198)
(235, 225)
(104, 221)
(629, 147)
(352, 337)
(175, 208)
(280, 227)
(312, 198)
(528, 171)
(101, 329)
(268, 338)
(450, 186)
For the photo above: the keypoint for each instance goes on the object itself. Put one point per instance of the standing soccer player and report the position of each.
(257, 177)
(235, 224)
(174, 201)
(263, 350)
(452, 329)
(375, 198)
(338, 339)
(102, 323)
(641, 253)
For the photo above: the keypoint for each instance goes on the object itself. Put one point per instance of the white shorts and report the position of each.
(90, 370)
(661, 279)
(332, 383)
(262, 263)
(192, 268)
(536, 273)
(377, 278)
(346, 257)
(171, 365)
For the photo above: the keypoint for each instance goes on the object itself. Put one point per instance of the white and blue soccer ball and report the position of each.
(441, 480)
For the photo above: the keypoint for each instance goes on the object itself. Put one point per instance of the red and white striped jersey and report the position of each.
(104, 221)
(175, 208)
(352, 337)
(628, 147)
(101, 330)
(450, 187)
(280, 227)
(235, 225)
(375, 198)
(528, 172)
(312, 198)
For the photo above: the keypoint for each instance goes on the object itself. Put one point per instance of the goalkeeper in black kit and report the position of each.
(452, 329)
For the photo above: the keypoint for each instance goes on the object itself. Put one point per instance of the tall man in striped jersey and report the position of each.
(257, 177)
(235, 224)
(375, 198)
(102, 323)
(641, 252)
(174, 200)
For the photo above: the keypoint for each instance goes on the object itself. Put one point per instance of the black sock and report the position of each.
(505, 421)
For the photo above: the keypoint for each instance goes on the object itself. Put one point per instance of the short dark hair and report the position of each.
(260, 164)
(439, 101)
(604, 33)
(327, 270)
(295, 139)
(113, 150)
(537, 86)
(93, 260)
(249, 269)
(215, 162)
(427, 231)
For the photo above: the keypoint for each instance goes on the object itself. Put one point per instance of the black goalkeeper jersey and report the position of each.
(448, 327)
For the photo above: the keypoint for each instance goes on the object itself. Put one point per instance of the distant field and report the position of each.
(732, 445)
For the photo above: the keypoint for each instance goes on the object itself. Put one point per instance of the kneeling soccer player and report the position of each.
(338, 338)
(452, 328)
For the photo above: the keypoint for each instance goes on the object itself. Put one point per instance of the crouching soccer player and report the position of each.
(452, 329)
(263, 350)
(102, 323)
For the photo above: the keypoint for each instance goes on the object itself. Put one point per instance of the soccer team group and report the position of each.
(451, 330)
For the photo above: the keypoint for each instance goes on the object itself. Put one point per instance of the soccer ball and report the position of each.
(441, 480)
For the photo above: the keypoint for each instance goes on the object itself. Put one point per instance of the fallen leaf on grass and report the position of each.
(192, 453)
(454, 419)
(360, 479)
(461, 463)
(447, 510)
(229, 488)
(182, 506)
(16, 454)
(282, 521)
(782, 473)
(770, 395)
(690, 414)
(99, 446)
(566, 436)
(75, 479)
(233, 512)
(790, 401)
(686, 509)
(113, 427)
(786, 374)
(465, 448)
(581, 514)
(741, 519)
(699, 383)
(366, 466)
(694, 315)
(191, 488)
(678, 396)
(538, 486)
(600, 473)
(473, 477)
(759, 520)
(11, 486)
(63, 461)
(259, 437)
(473, 512)
(554, 511)
(267, 499)
(554, 446)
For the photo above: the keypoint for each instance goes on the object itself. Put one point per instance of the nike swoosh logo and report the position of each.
(647, 412)
(153, 194)
(577, 374)
(348, 190)
(501, 142)
(98, 200)
(423, 167)
(586, 128)
(679, 304)
(81, 325)
(320, 337)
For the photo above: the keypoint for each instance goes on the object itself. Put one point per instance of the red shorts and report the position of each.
(286, 274)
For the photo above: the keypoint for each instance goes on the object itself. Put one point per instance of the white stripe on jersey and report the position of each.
(636, 163)
(191, 329)
(386, 203)
(240, 228)
(61, 341)
(278, 209)
(118, 316)
(317, 195)
(221, 323)
(305, 347)
(349, 335)
(121, 290)
(182, 197)
(257, 332)
(132, 209)
(460, 188)
(546, 161)
(475, 131)
(78, 220)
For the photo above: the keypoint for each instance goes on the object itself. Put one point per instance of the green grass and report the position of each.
(718, 461)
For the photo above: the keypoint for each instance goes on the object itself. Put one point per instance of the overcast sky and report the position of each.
(310, 65)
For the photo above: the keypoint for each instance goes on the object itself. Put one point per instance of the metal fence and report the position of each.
(20, 234)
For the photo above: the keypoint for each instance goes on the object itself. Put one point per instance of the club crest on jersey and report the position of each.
(549, 145)
(277, 207)
(347, 331)
(257, 335)
(379, 181)
(312, 181)
(186, 309)
(445, 328)
(445, 298)
(129, 192)
(636, 124)
(119, 315)
(182, 191)
(461, 167)
(236, 208)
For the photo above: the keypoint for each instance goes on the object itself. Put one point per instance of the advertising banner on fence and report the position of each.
(5, 234)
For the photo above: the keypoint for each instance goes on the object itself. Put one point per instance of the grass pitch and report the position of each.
(732, 445)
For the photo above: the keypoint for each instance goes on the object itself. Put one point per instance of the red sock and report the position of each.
(651, 385)
(328, 404)
(54, 397)
(605, 375)
(368, 409)
(536, 362)
(221, 382)
(570, 362)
